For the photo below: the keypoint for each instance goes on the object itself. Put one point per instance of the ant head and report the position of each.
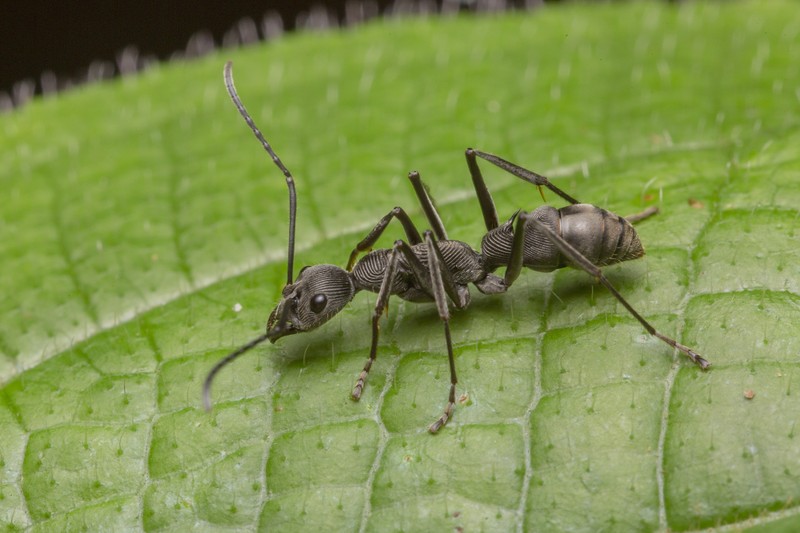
(318, 293)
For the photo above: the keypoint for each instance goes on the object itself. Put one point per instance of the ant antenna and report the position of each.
(223, 362)
(289, 179)
(234, 355)
(292, 215)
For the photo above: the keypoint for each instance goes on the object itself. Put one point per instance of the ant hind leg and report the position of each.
(524, 174)
(643, 215)
(578, 260)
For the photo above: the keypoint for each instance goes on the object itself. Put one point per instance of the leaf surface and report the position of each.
(144, 232)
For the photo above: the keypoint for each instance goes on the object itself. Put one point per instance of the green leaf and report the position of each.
(143, 237)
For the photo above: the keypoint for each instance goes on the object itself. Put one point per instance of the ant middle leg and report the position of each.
(435, 279)
(384, 292)
(441, 284)
(425, 200)
(412, 234)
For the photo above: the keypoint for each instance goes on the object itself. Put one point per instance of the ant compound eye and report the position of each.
(318, 303)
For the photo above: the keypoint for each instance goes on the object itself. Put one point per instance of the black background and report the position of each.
(65, 37)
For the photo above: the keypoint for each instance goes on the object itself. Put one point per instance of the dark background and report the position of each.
(64, 38)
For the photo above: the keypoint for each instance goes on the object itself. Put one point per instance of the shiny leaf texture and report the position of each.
(143, 237)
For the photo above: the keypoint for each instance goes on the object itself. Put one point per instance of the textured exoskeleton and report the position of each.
(433, 268)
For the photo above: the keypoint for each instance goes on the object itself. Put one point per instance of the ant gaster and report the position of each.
(432, 268)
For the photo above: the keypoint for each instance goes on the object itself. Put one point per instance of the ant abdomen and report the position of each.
(599, 235)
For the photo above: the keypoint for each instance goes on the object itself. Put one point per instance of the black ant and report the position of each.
(432, 268)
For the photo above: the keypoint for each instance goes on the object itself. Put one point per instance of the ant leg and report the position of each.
(437, 280)
(428, 207)
(459, 295)
(366, 244)
(579, 261)
(422, 274)
(481, 191)
(517, 250)
(525, 174)
(638, 217)
(436, 267)
(383, 299)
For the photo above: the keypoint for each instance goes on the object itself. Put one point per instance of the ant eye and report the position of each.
(318, 303)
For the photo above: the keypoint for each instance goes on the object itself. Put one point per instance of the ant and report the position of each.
(430, 267)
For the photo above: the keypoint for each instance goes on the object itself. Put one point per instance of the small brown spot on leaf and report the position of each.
(749, 394)
(463, 399)
(696, 204)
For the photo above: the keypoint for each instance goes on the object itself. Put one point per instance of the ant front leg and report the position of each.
(383, 299)
(579, 260)
(372, 237)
